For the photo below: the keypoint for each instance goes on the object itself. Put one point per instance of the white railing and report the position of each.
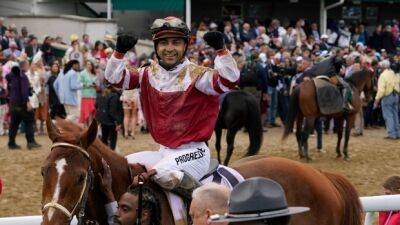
(26, 220)
(372, 204)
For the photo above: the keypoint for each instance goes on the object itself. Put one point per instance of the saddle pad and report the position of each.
(225, 176)
(222, 175)
(329, 98)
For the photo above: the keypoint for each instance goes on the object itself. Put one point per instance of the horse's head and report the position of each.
(369, 85)
(67, 174)
(363, 81)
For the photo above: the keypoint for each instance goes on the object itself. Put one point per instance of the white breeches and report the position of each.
(192, 158)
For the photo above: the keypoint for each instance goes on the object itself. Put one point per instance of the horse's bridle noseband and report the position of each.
(88, 182)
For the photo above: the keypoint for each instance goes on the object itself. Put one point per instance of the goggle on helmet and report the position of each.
(169, 27)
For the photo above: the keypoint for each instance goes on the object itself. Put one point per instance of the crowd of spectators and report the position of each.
(270, 55)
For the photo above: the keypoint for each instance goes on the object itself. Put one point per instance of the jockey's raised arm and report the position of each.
(225, 75)
(116, 71)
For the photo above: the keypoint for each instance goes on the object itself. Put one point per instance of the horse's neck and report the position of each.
(118, 164)
(120, 179)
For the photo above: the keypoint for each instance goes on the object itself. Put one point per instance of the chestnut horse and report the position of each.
(76, 155)
(304, 106)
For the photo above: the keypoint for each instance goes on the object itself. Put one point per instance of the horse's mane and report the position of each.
(71, 132)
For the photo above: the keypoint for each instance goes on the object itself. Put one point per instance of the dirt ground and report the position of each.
(372, 160)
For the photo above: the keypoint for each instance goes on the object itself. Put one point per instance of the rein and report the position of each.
(88, 184)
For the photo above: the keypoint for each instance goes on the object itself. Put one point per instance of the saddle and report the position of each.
(216, 173)
(329, 98)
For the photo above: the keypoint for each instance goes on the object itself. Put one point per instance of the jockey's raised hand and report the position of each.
(215, 39)
(125, 42)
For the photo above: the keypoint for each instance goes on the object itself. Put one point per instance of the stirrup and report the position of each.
(186, 187)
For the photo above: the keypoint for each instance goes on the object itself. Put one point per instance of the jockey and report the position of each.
(179, 101)
(331, 67)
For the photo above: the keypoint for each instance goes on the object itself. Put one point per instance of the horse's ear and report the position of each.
(52, 130)
(90, 135)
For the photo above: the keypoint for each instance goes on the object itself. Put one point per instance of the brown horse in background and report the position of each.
(77, 153)
(304, 106)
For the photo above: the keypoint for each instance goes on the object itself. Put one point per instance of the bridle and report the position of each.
(87, 185)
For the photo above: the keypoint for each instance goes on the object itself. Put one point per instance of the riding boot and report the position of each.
(186, 187)
(345, 89)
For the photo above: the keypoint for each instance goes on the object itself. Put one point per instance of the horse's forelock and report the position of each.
(68, 126)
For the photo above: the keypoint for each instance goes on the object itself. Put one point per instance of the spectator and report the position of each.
(89, 82)
(272, 82)
(262, 33)
(86, 42)
(56, 108)
(208, 200)
(376, 39)
(228, 35)
(315, 32)
(74, 52)
(3, 101)
(37, 79)
(66, 87)
(20, 108)
(32, 48)
(2, 27)
(48, 55)
(10, 37)
(124, 212)
(363, 35)
(24, 38)
(109, 114)
(109, 41)
(264, 196)
(12, 53)
(388, 40)
(332, 36)
(391, 187)
(99, 52)
(246, 34)
(344, 35)
(388, 94)
(130, 100)
(213, 26)
(262, 76)
(324, 46)
(301, 35)
(200, 32)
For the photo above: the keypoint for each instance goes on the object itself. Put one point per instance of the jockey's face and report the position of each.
(171, 50)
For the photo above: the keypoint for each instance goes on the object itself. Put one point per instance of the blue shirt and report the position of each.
(67, 86)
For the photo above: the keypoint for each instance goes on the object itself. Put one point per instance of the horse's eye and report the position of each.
(81, 178)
